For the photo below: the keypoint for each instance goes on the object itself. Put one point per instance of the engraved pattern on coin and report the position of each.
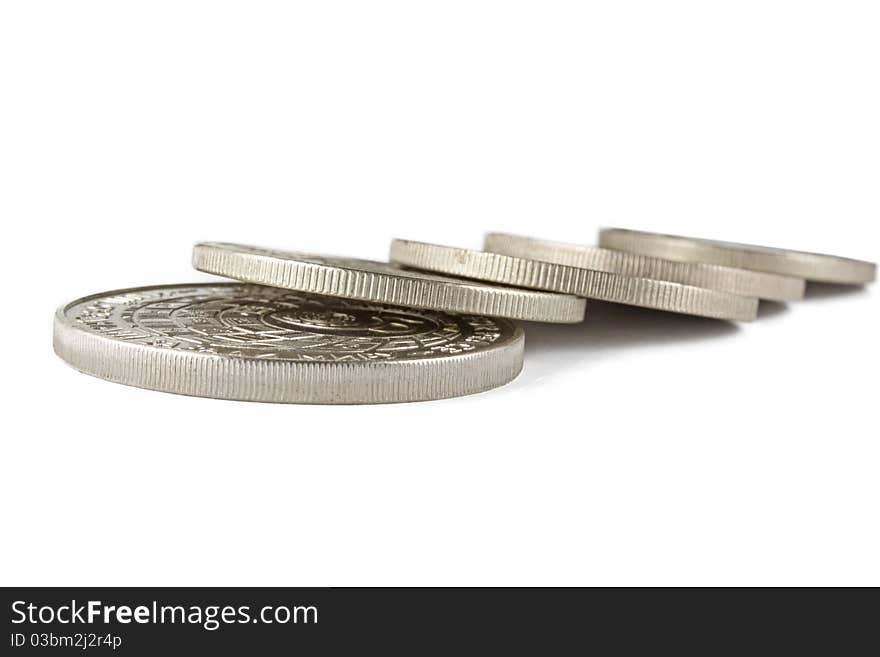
(262, 322)
(255, 343)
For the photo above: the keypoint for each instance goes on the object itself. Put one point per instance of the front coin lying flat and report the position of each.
(535, 274)
(380, 282)
(715, 277)
(255, 343)
(818, 267)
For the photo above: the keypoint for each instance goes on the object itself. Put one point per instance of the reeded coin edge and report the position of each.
(819, 267)
(522, 272)
(743, 282)
(466, 298)
(284, 381)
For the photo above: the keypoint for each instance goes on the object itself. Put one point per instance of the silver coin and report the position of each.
(811, 266)
(255, 343)
(383, 283)
(648, 293)
(715, 277)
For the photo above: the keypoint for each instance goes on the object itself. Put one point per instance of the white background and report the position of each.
(638, 448)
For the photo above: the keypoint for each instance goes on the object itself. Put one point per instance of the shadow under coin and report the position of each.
(771, 309)
(831, 290)
(610, 327)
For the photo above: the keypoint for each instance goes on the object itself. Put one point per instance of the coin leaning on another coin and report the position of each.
(255, 343)
(818, 267)
(535, 274)
(714, 277)
(383, 283)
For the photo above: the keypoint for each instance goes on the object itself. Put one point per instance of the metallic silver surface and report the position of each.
(801, 264)
(660, 295)
(379, 282)
(254, 343)
(714, 277)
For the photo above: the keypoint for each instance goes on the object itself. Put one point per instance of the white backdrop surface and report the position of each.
(638, 448)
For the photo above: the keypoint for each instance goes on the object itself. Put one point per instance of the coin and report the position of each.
(380, 282)
(715, 277)
(255, 343)
(811, 266)
(660, 295)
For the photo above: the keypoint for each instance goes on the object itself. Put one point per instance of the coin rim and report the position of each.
(406, 290)
(536, 274)
(818, 267)
(733, 280)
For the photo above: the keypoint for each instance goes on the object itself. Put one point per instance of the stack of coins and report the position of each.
(433, 322)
